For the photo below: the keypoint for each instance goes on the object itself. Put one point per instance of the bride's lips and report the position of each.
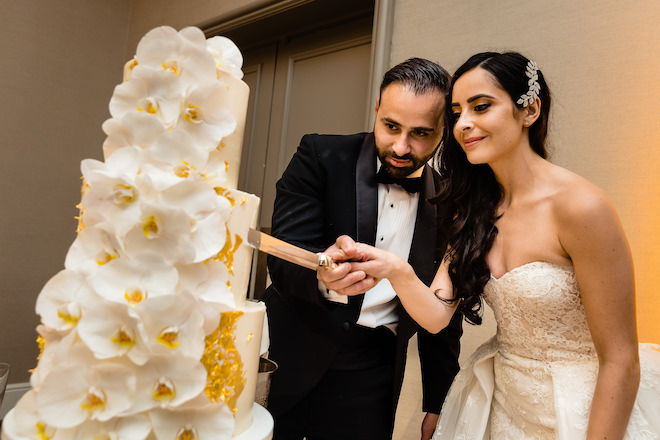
(471, 141)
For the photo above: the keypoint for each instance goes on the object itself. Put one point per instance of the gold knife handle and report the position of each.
(326, 261)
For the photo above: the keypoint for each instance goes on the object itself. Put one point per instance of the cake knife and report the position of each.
(281, 249)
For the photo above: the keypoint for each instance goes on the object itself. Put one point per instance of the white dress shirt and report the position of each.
(397, 212)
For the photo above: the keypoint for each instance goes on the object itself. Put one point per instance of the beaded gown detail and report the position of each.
(535, 378)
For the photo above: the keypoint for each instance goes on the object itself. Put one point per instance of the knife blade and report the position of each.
(281, 249)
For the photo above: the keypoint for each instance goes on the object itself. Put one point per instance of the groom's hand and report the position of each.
(428, 425)
(340, 278)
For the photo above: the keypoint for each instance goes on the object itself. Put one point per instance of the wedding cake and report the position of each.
(146, 334)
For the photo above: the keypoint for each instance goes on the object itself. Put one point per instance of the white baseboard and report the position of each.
(14, 392)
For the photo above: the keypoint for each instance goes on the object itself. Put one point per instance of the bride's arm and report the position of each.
(594, 239)
(432, 307)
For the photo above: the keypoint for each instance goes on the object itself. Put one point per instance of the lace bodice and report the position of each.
(535, 379)
(539, 313)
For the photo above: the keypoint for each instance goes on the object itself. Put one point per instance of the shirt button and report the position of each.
(381, 238)
(346, 326)
(391, 205)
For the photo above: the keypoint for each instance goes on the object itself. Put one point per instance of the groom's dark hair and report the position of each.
(418, 74)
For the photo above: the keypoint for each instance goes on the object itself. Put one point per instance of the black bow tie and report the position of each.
(410, 184)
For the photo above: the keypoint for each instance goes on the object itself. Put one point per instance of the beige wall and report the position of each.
(601, 60)
(179, 14)
(60, 62)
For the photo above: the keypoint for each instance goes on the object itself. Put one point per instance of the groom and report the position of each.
(341, 359)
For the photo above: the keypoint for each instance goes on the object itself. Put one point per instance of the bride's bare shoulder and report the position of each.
(577, 201)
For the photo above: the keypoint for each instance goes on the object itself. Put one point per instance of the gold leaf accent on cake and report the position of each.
(83, 189)
(81, 224)
(41, 343)
(226, 254)
(224, 192)
(224, 366)
(226, 166)
(133, 63)
(244, 201)
(249, 337)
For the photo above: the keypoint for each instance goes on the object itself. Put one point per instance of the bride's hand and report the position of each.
(341, 278)
(379, 263)
(366, 262)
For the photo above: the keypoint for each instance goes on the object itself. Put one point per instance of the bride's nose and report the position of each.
(463, 122)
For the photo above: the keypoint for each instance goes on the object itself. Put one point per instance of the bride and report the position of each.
(546, 250)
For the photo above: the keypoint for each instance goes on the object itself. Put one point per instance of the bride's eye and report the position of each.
(481, 107)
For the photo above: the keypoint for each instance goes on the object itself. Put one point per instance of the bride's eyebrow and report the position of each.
(475, 97)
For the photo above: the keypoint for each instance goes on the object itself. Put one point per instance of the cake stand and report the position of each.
(262, 425)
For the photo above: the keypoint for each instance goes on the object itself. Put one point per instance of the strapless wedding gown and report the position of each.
(535, 378)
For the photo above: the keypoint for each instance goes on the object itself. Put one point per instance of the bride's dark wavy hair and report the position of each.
(470, 194)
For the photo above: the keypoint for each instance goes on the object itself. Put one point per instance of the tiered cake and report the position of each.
(146, 333)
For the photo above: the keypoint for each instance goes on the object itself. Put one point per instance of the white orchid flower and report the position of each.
(210, 422)
(208, 214)
(216, 169)
(24, 421)
(208, 281)
(109, 331)
(151, 92)
(168, 382)
(128, 282)
(227, 57)
(205, 115)
(161, 230)
(113, 190)
(180, 54)
(174, 158)
(85, 389)
(92, 249)
(134, 427)
(60, 302)
(55, 345)
(173, 324)
(185, 224)
(134, 129)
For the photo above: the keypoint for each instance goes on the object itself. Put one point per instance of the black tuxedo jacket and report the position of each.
(329, 189)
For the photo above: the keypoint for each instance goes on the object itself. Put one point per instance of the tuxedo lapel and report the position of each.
(366, 189)
(366, 201)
